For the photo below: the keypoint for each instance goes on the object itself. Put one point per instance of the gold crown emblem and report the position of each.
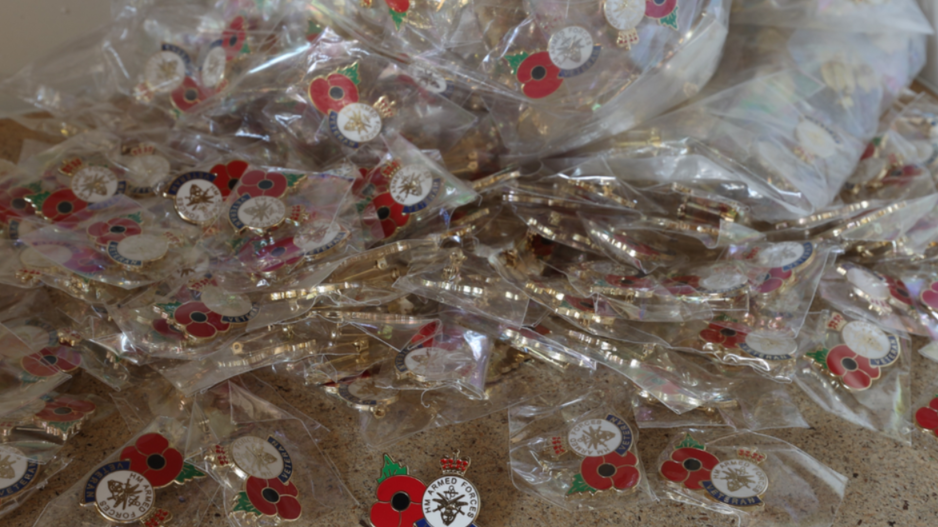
(70, 166)
(142, 150)
(751, 455)
(390, 169)
(453, 465)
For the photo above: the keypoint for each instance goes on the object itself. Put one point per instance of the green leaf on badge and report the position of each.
(690, 442)
(670, 20)
(819, 356)
(391, 468)
(243, 504)
(398, 18)
(579, 485)
(237, 243)
(725, 318)
(136, 216)
(351, 72)
(245, 49)
(293, 178)
(38, 198)
(64, 427)
(34, 187)
(189, 472)
(313, 28)
(514, 61)
(169, 308)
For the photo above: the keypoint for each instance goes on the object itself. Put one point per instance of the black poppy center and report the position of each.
(65, 207)
(849, 364)
(400, 501)
(156, 461)
(198, 316)
(336, 93)
(62, 410)
(278, 251)
(606, 470)
(18, 203)
(727, 332)
(265, 185)
(232, 183)
(232, 40)
(118, 229)
(902, 292)
(270, 495)
(383, 213)
(538, 73)
(51, 359)
(692, 464)
(191, 94)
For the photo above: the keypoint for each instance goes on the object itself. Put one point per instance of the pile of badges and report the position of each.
(598, 217)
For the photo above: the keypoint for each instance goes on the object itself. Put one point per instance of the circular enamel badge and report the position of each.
(429, 80)
(739, 478)
(816, 139)
(869, 283)
(94, 184)
(164, 71)
(35, 259)
(359, 122)
(147, 171)
(141, 248)
(198, 200)
(769, 347)
(570, 47)
(365, 394)
(723, 282)
(225, 303)
(624, 14)
(213, 67)
(785, 255)
(257, 457)
(17, 471)
(124, 496)
(412, 185)
(321, 236)
(260, 212)
(451, 501)
(594, 437)
(867, 340)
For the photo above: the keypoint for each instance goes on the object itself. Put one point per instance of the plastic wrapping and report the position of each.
(577, 453)
(753, 477)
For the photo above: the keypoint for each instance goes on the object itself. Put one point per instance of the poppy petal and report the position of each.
(927, 418)
(857, 380)
(835, 359)
(289, 508)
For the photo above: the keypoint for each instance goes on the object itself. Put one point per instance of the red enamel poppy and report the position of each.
(611, 470)
(930, 296)
(49, 361)
(659, 8)
(85, 260)
(65, 408)
(398, 502)
(689, 466)
(13, 205)
(164, 328)
(390, 213)
(427, 332)
(188, 95)
(682, 285)
(259, 183)
(898, 290)
(398, 6)
(152, 457)
(332, 93)
(539, 76)
(540, 246)
(582, 304)
(61, 204)
(113, 230)
(855, 371)
(228, 175)
(272, 497)
(232, 39)
(198, 320)
(773, 280)
(272, 257)
(927, 416)
(726, 334)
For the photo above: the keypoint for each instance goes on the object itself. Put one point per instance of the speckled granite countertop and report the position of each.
(890, 485)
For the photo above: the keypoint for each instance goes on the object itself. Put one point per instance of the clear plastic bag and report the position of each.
(754, 478)
(577, 453)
